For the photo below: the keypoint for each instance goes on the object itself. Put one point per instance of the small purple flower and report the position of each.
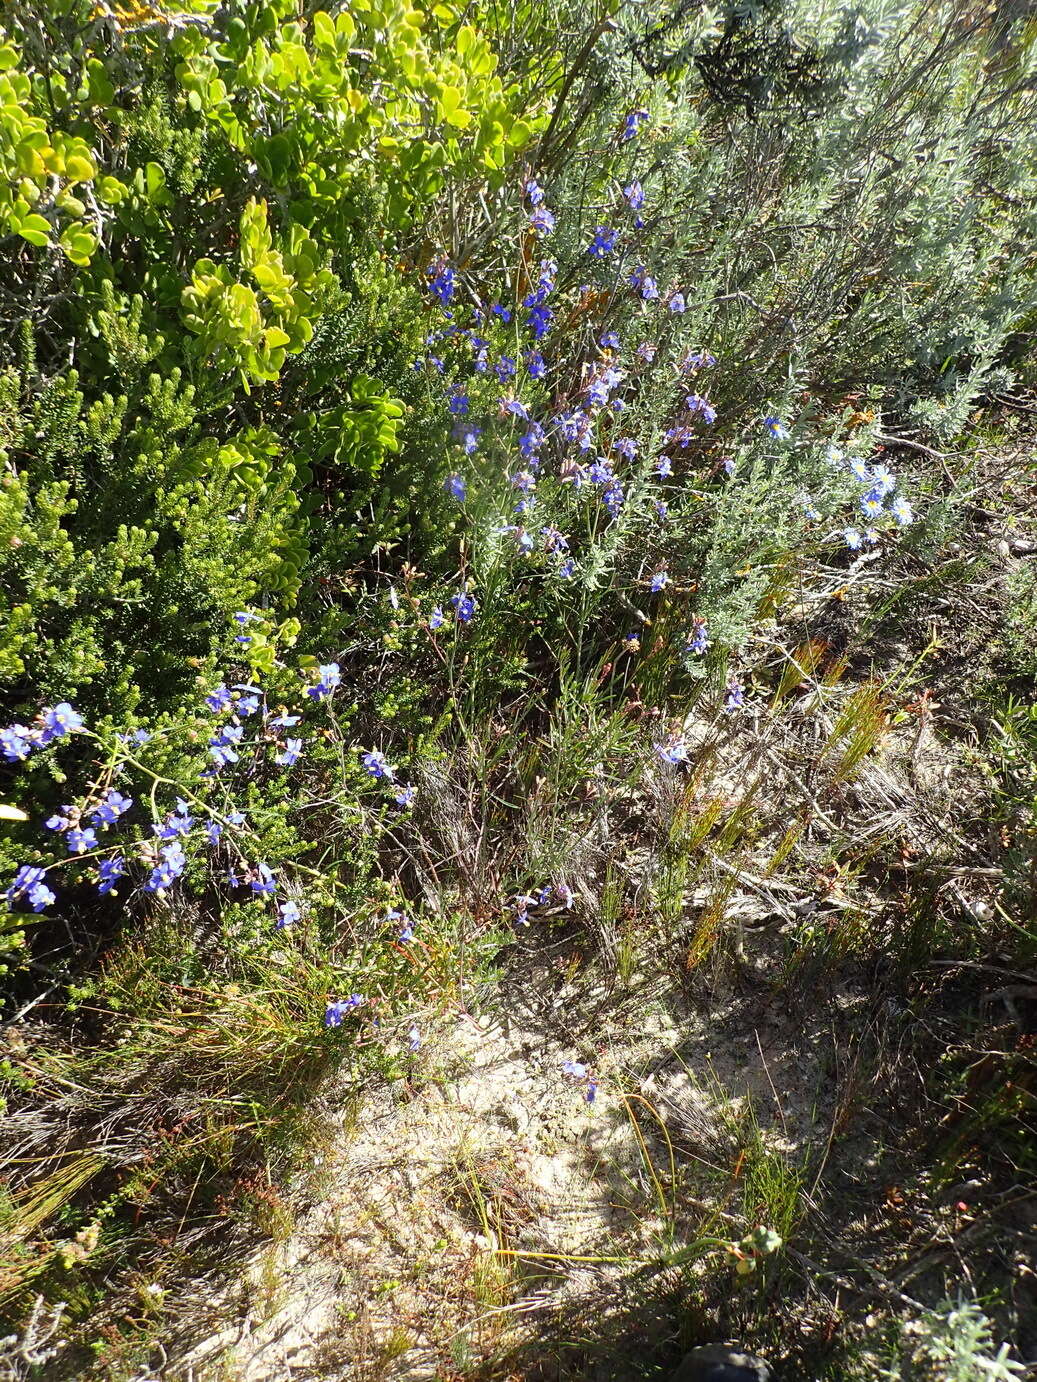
(464, 606)
(330, 676)
(109, 811)
(604, 242)
(677, 303)
(539, 321)
(852, 538)
(468, 435)
(56, 822)
(29, 880)
(634, 194)
(457, 403)
(542, 221)
(695, 403)
(534, 193)
(902, 512)
(174, 861)
(213, 831)
(609, 340)
(626, 446)
(262, 881)
(504, 369)
(220, 699)
(79, 841)
(535, 364)
(660, 580)
(633, 123)
(455, 486)
(290, 756)
(375, 764)
(442, 285)
(735, 698)
(674, 750)
(663, 467)
(337, 1011)
(58, 721)
(699, 640)
(566, 569)
(413, 1038)
(776, 428)
(16, 742)
(109, 873)
(436, 619)
(287, 914)
(647, 351)
(575, 1068)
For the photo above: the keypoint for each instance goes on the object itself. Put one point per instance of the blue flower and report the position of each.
(698, 359)
(213, 831)
(534, 193)
(811, 511)
(604, 242)
(221, 753)
(436, 619)
(660, 580)
(539, 321)
(464, 606)
(16, 742)
(697, 404)
(504, 369)
(330, 677)
(699, 640)
(677, 303)
(468, 435)
(457, 403)
(287, 914)
(535, 364)
(503, 312)
(455, 486)
(609, 340)
(852, 538)
(290, 756)
(29, 880)
(336, 1011)
(566, 569)
(79, 841)
(592, 1091)
(60, 720)
(674, 750)
(663, 467)
(871, 503)
(633, 123)
(284, 721)
(235, 818)
(413, 1038)
(56, 822)
(626, 446)
(113, 806)
(902, 512)
(174, 861)
(375, 763)
(109, 873)
(885, 480)
(735, 698)
(405, 797)
(442, 285)
(776, 428)
(634, 194)
(262, 881)
(246, 705)
(575, 1068)
(860, 471)
(219, 699)
(542, 221)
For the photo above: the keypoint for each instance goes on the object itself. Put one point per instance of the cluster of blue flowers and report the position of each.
(18, 741)
(238, 710)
